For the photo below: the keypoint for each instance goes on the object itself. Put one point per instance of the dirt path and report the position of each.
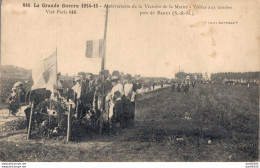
(5, 113)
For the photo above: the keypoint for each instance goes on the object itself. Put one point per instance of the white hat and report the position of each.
(114, 78)
(18, 84)
(77, 78)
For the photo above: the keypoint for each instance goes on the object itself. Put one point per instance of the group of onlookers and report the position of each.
(182, 86)
(112, 97)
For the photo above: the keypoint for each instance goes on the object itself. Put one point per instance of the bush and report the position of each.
(14, 125)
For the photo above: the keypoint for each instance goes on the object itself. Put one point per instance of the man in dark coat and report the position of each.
(81, 89)
(84, 100)
(91, 90)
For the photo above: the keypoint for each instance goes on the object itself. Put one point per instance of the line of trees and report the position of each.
(230, 76)
(192, 76)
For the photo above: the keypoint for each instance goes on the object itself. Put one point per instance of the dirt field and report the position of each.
(210, 123)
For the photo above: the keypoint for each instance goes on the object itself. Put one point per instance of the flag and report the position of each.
(45, 74)
(96, 48)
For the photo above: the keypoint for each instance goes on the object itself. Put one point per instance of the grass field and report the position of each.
(210, 123)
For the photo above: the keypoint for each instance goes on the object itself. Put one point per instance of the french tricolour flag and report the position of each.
(96, 48)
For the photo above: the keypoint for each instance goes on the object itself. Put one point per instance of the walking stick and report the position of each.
(30, 122)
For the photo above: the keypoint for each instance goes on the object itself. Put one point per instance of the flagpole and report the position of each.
(56, 68)
(105, 36)
(102, 70)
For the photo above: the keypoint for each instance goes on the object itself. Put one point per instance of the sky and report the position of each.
(149, 45)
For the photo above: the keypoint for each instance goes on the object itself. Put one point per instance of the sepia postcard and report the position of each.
(129, 81)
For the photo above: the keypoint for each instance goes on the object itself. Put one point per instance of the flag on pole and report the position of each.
(96, 48)
(45, 74)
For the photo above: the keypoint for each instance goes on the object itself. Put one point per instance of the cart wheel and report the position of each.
(6, 113)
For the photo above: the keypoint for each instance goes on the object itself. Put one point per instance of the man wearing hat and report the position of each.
(80, 91)
(76, 93)
(77, 88)
(117, 86)
(91, 89)
(130, 89)
(84, 99)
(13, 101)
(18, 86)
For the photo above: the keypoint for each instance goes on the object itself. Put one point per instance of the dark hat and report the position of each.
(82, 74)
(105, 73)
(128, 77)
(90, 74)
(115, 73)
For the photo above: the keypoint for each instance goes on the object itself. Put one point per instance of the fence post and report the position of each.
(30, 122)
(69, 124)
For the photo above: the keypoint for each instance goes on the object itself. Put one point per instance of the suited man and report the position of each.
(84, 101)
(92, 84)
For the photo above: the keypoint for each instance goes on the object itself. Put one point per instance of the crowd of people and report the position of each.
(110, 97)
(183, 86)
(114, 97)
(106, 98)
